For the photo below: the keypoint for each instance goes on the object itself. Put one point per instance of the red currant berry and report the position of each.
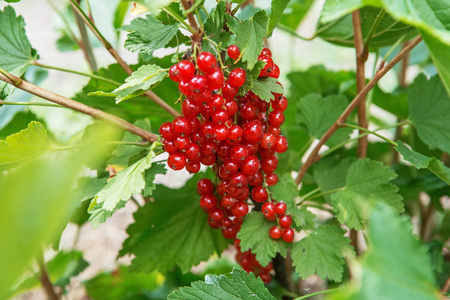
(267, 67)
(216, 101)
(166, 130)
(281, 144)
(279, 104)
(208, 202)
(190, 108)
(186, 69)
(240, 209)
(183, 86)
(248, 111)
(238, 153)
(285, 221)
(219, 116)
(206, 62)
(280, 208)
(232, 107)
(275, 130)
(217, 215)
(208, 160)
(181, 126)
(223, 150)
(215, 79)
(231, 165)
(192, 152)
(275, 71)
(288, 235)
(174, 73)
(276, 118)
(269, 164)
(229, 91)
(233, 52)
(275, 232)
(181, 142)
(208, 148)
(253, 131)
(259, 194)
(222, 188)
(271, 179)
(169, 146)
(198, 84)
(266, 278)
(176, 161)
(235, 133)
(267, 141)
(238, 180)
(192, 166)
(228, 202)
(230, 232)
(205, 187)
(207, 129)
(250, 165)
(268, 209)
(220, 132)
(266, 51)
(237, 77)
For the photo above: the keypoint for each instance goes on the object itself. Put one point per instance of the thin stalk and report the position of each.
(15, 80)
(2, 102)
(77, 72)
(190, 16)
(174, 15)
(66, 23)
(96, 113)
(199, 19)
(317, 293)
(309, 194)
(369, 131)
(324, 193)
(234, 11)
(312, 156)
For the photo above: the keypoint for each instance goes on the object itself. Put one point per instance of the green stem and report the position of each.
(30, 103)
(369, 131)
(66, 23)
(119, 143)
(319, 207)
(177, 17)
(200, 22)
(398, 42)
(234, 11)
(309, 194)
(320, 195)
(374, 28)
(77, 72)
(317, 293)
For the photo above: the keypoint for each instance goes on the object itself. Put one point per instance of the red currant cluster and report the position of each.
(249, 263)
(237, 135)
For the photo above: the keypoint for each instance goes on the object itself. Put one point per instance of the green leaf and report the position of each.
(316, 115)
(367, 183)
(214, 28)
(286, 190)
(123, 153)
(330, 173)
(322, 252)
(172, 230)
(122, 284)
(251, 76)
(429, 108)
(15, 50)
(265, 87)
(148, 35)
(120, 188)
(278, 7)
(396, 102)
(334, 9)
(250, 35)
(294, 13)
(25, 145)
(421, 161)
(233, 286)
(389, 31)
(150, 174)
(254, 235)
(138, 82)
(396, 263)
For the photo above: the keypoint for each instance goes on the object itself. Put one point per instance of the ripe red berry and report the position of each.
(193, 166)
(181, 142)
(253, 131)
(259, 194)
(268, 209)
(216, 101)
(229, 91)
(267, 140)
(275, 71)
(266, 51)
(267, 67)
(198, 84)
(232, 107)
(279, 104)
(169, 146)
(269, 164)
(233, 52)
(219, 116)
(276, 118)
(230, 232)
(271, 179)
(238, 179)
(204, 186)
(266, 277)
(174, 73)
(231, 166)
(281, 144)
(275, 232)
(181, 126)
(166, 130)
(240, 209)
(250, 165)
(208, 202)
(206, 62)
(288, 235)
(176, 161)
(238, 153)
(208, 160)
(285, 221)
(280, 208)
(237, 77)
(183, 86)
(186, 69)
(215, 79)
(220, 132)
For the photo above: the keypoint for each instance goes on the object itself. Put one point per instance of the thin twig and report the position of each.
(309, 161)
(360, 81)
(45, 279)
(96, 113)
(119, 60)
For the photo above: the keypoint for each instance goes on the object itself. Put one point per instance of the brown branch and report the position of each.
(119, 60)
(197, 35)
(309, 161)
(85, 43)
(45, 280)
(446, 286)
(360, 81)
(96, 113)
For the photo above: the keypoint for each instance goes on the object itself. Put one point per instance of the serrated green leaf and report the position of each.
(139, 81)
(421, 161)
(233, 286)
(123, 153)
(334, 9)
(254, 235)
(388, 32)
(317, 114)
(397, 265)
(214, 28)
(278, 7)
(122, 284)
(119, 189)
(367, 183)
(150, 174)
(16, 53)
(294, 13)
(265, 87)
(286, 190)
(429, 109)
(330, 173)
(250, 35)
(172, 230)
(396, 102)
(25, 145)
(322, 252)
(148, 35)
(251, 76)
